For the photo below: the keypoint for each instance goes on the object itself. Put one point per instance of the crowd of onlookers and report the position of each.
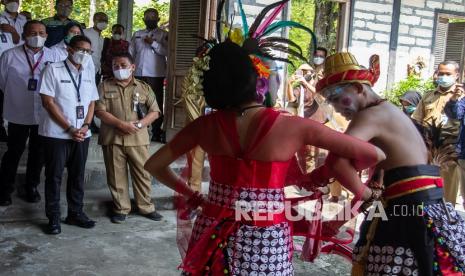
(55, 75)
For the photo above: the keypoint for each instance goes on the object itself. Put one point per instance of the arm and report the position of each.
(418, 115)
(7, 28)
(88, 120)
(158, 164)
(160, 43)
(48, 102)
(4, 72)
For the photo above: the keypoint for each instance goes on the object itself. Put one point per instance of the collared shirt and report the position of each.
(57, 83)
(150, 59)
(18, 22)
(60, 50)
(119, 101)
(6, 42)
(97, 46)
(431, 107)
(22, 106)
(55, 29)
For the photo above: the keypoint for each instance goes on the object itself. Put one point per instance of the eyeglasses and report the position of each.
(87, 51)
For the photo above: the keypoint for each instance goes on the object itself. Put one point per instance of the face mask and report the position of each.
(68, 38)
(151, 24)
(12, 7)
(122, 74)
(410, 109)
(81, 57)
(102, 26)
(65, 12)
(35, 41)
(446, 81)
(318, 60)
(116, 36)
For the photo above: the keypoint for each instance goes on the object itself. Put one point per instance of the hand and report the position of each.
(7, 28)
(77, 135)
(128, 128)
(84, 130)
(149, 40)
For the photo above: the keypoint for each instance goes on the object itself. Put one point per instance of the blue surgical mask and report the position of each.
(410, 109)
(68, 38)
(446, 81)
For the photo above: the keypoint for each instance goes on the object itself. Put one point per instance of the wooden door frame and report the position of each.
(174, 75)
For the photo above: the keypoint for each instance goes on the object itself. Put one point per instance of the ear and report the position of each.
(359, 87)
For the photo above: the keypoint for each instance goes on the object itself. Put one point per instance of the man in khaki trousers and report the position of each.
(124, 137)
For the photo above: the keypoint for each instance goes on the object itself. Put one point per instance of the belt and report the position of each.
(412, 185)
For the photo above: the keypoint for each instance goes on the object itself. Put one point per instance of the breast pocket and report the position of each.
(113, 103)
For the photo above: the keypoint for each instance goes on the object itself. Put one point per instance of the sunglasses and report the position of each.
(333, 93)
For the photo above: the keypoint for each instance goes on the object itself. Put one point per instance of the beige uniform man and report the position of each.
(430, 108)
(124, 137)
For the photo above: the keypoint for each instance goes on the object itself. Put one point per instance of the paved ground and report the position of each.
(138, 247)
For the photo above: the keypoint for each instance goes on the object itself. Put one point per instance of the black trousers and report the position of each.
(61, 153)
(17, 138)
(156, 83)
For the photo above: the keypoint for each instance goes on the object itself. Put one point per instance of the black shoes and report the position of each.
(5, 199)
(153, 216)
(118, 218)
(80, 220)
(54, 227)
(32, 195)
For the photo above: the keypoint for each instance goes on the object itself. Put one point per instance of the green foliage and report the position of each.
(303, 12)
(41, 9)
(410, 83)
(162, 8)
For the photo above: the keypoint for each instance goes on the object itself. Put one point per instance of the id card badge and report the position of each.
(32, 84)
(80, 112)
(3, 38)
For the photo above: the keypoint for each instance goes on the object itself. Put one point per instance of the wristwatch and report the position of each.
(138, 125)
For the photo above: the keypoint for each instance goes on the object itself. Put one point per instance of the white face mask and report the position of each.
(102, 26)
(122, 74)
(12, 7)
(446, 81)
(318, 60)
(81, 58)
(117, 37)
(35, 41)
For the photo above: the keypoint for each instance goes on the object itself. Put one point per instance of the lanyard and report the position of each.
(33, 68)
(77, 86)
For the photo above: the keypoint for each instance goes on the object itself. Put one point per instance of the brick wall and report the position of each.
(372, 26)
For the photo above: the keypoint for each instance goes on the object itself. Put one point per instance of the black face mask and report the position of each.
(151, 24)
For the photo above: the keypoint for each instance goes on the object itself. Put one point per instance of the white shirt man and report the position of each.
(97, 46)
(150, 59)
(95, 35)
(22, 105)
(19, 79)
(68, 93)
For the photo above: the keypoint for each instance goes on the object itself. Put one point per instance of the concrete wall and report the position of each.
(372, 25)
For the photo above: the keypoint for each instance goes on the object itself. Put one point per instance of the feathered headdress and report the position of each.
(257, 41)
